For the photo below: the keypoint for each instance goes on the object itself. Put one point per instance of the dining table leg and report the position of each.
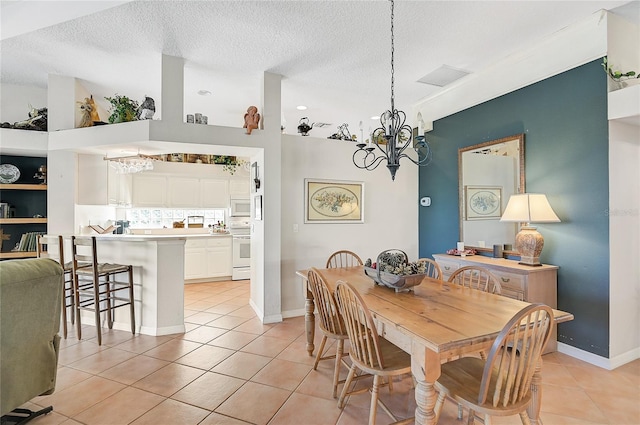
(425, 366)
(309, 320)
(536, 395)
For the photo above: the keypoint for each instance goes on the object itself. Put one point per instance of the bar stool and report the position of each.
(96, 286)
(51, 246)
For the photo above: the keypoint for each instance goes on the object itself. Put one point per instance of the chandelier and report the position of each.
(389, 141)
(131, 164)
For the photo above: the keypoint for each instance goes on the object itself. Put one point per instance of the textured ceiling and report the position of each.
(334, 56)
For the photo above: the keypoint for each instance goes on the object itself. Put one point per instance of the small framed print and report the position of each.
(333, 201)
(257, 201)
(483, 202)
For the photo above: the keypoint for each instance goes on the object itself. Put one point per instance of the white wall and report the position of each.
(390, 211)
(15, 101)
(624, 240)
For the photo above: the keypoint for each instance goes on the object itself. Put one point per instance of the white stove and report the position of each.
(241, 233)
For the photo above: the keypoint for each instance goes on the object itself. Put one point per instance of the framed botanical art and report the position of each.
(483, 202)
(333, 201)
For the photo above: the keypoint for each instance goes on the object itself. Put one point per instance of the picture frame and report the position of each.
(257, 203)
(483, 202)
(333, 201)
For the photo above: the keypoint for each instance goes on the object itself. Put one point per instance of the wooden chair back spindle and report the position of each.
(476, 278)
(343, 258)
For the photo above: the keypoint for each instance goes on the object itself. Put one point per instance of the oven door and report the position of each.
(241, 251)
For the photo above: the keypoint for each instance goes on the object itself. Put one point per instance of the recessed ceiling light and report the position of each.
(375, 117)
(301, 108)
(204, 92)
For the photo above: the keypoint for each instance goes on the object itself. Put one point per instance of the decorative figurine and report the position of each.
(251, 119)
(147, 109)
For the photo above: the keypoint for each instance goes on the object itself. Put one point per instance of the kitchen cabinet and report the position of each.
(219, 257)
(183, 192)
(239, 187)
(208, 257)
(149, 190)
(214, 193)
(99, 184)
(524, 283)
(195, 262)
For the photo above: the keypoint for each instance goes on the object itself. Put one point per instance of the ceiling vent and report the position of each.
(443, 76)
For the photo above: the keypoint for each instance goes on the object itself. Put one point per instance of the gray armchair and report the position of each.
(30, 303)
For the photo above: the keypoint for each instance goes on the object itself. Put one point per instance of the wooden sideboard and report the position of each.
(525, 283)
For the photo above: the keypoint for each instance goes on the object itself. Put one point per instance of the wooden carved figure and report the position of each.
(251, 119)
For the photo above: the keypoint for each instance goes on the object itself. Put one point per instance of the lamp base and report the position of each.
(529, 243)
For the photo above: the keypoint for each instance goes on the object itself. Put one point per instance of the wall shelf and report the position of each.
(24, 220)
(17, 254)
(4, 186)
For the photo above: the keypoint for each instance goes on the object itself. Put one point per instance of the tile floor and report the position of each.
(229, 368)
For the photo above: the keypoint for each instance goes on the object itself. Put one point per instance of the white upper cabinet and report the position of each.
(239, 187)
(149, 190)
(214, 193)
(183, 192)
(99, 184)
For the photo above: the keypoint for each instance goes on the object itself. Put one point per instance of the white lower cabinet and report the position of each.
(206, 258)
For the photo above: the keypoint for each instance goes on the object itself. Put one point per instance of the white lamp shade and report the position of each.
(529, 208)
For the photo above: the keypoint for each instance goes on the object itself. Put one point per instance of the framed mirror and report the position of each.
(488, 174)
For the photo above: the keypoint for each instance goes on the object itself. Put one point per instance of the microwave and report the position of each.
(240, 208)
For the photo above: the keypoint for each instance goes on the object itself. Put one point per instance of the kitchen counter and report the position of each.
(158, 277)
(160, 237)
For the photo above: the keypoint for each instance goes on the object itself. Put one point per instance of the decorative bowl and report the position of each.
(405, 276)
(397, 282)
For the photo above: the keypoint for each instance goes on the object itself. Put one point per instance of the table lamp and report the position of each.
(529, 208)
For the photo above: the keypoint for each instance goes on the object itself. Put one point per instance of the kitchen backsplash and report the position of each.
(151, 218)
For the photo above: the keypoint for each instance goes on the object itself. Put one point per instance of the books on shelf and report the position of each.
(28, 242)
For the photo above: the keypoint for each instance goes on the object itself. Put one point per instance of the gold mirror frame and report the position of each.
(520, 181)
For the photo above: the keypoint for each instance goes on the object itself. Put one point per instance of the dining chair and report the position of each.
(368, 351)
(432, 269)
(501, 385)
(476, 277)
(96, 286)
(331, 324)
(51, 246)
(343, 258)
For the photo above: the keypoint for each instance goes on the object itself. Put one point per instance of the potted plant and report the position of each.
(123, 109)
(618, 76)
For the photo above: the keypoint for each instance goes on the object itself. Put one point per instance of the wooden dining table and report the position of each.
(433, 322)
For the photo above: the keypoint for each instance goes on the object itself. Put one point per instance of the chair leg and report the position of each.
(64, 310)
(373, 409)
(471, 418)
(336, 371)
(320, 351)
(76, 307)
(524, 417)
(132, 306)
(96, 309)
(108, 298)
(347, 384)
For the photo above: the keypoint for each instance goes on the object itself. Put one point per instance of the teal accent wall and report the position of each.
(564, 119)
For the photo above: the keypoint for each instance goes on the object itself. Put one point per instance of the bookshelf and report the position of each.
(28, 200)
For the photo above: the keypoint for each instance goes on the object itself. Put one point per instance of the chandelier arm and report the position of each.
(369, 161)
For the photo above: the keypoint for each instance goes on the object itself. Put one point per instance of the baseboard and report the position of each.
(599, 361)
(293, 313)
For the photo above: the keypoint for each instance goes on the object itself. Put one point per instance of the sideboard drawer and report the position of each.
(515, 281)
(448, 267)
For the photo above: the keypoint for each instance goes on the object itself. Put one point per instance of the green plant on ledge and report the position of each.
(617, 75)
(123, 109)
